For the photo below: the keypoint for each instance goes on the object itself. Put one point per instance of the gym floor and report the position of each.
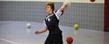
(15, 32)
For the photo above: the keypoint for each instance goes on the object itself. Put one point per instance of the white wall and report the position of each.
(74, 1)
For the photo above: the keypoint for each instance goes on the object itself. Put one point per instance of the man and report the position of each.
(52, 22)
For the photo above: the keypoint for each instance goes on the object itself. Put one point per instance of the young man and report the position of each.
(52, 22)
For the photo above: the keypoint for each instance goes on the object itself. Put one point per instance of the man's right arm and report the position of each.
(42, 30)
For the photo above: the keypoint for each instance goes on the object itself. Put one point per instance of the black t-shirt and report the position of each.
(52, 23)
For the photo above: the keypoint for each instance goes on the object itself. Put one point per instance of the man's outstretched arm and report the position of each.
(65, 4)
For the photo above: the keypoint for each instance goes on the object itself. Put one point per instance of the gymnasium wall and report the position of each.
(88, 15)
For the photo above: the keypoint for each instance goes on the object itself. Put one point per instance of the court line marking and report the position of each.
(10, 41)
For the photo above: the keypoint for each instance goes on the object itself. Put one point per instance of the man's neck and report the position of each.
(50, 13)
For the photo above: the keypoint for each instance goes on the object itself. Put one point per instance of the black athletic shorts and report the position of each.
(54, 39)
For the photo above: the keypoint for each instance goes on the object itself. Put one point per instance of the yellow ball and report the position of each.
(76, 26)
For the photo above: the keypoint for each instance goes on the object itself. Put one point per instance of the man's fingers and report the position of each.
(37, 32)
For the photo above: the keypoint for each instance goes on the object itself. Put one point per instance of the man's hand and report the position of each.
(42, 30)
(66, 3)
(37, 32)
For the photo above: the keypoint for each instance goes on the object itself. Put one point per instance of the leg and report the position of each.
(58, 39)
(48, 40)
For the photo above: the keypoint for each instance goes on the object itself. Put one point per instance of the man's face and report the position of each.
(48, 9)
